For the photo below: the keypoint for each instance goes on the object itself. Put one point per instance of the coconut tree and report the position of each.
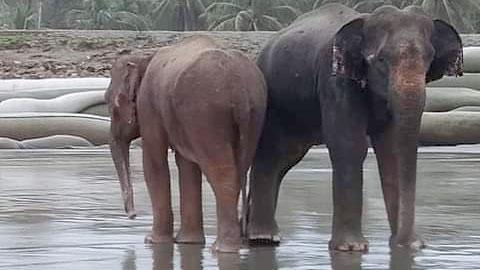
(23, 15)
(252, 15)
(457, 13)
(101, 14)
(461, 14)
(179, 15)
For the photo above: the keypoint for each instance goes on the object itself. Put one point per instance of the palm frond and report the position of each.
(221, 20)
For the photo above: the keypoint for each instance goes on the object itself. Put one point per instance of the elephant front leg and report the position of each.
(191, 229)
(347, 200)
(345, 132)
(157, 178)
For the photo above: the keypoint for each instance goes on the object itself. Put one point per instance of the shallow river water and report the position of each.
(62, 210)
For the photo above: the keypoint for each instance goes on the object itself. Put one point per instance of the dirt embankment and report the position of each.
(65, 53)
(60, 54)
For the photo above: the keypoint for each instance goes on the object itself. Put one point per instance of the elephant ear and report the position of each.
(347, 59)
(448, 59)
(126, 98)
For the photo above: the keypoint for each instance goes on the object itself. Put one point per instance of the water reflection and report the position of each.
(162, 257)
(346, 260)
(191, 257)
(400, 259)
(63, 210)
(129, 263)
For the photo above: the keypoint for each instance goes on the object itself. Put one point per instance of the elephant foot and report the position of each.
(131, 214)
(263, 237)
(190, 238)
(152, 238)
(413, 243)
(226, 246)
(349, 242)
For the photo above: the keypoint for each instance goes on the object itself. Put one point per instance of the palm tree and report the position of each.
(179, 15)
(23, 15)
(461, 14)
(255, 15)
(101, 14)
(457, 13)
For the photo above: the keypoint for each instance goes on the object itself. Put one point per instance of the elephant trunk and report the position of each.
(407, 103)
(120, 154)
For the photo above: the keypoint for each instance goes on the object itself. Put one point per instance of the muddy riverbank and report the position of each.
(68, 53)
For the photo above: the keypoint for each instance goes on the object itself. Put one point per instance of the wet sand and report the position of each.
(63, 210)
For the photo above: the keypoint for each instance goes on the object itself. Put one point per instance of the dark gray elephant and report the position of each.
(336, 76)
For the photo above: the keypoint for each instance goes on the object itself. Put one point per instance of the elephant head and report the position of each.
(126, 77)
(391, 54)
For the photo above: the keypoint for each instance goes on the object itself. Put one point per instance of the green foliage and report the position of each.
(458, 13)
(17, 15)
(23, 16)
(179, 15)
(253, 15)
(103, 14)
(14, 41)
(192, 15)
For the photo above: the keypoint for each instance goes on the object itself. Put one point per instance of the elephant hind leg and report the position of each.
(276, 155)
(191, 229)
(222, 174)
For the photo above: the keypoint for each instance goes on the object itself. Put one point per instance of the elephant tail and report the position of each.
(241, 156)
(249, 122)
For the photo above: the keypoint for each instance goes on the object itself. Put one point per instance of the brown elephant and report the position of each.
(208, 104)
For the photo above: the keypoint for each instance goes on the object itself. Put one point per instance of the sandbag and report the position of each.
(467, 109)
(468, 80)
(55, 142)
(442, 99)
(50, 142)
(99, 109)
(49, 88)
(471, 59)
(7, 143)
(69, 103)
(22, 126)
(450, 128)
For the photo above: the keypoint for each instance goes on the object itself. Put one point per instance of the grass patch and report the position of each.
(15, 41)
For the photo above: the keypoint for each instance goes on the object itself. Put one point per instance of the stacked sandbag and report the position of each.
(69, 103)
(471, 61)
(450, 128)
(444, 99)
(50, 142)
(452, 109)
(53, 113)
(23, 126)
(49, 88)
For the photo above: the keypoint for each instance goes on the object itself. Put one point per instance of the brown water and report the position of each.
(62, 210)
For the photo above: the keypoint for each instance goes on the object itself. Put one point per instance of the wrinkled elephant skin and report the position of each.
(207, 104)
(336, 76)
